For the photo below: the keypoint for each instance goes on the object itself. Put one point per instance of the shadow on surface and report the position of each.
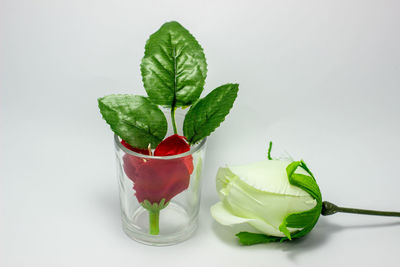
(318, 237)
(322, 232)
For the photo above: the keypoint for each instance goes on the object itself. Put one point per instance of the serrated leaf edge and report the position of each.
(144, 130)
(190, 141)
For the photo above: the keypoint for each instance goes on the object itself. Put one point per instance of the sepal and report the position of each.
(306, 219)
(247, 239)
(155, 207)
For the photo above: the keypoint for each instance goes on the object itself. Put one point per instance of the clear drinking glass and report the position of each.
(160, 196)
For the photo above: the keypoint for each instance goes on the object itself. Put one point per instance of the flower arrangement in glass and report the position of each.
(165, 173)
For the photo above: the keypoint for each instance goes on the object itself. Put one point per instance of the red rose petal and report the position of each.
(158, 179)
(172, 145)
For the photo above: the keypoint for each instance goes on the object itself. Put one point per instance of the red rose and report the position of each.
(155, 179)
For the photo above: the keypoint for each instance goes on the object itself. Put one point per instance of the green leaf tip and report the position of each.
(283, 228)
(209, 112)
(304, 166)
(134, 119)
(171, 24)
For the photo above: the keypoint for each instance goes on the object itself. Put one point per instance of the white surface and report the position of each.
(320, 78)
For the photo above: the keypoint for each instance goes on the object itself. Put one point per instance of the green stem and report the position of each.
(154, 218)
(329, 209)
(173, 119)
(174, 99)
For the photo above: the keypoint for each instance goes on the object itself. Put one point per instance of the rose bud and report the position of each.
(278, 198)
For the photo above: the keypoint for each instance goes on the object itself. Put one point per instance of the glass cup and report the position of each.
(159, 196)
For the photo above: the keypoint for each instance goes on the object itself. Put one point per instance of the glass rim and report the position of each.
(196, 147)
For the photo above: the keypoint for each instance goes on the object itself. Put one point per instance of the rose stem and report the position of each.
(329, 209)
(174, 99)
(154, 217)
(173, 120)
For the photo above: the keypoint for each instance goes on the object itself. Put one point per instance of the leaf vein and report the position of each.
(157, 61)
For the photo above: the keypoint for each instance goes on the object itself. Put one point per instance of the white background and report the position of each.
(319, 78)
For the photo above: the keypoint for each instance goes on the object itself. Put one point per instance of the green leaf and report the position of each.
(208, 113)
(135, 119)
(246, 238)
(174, 67)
